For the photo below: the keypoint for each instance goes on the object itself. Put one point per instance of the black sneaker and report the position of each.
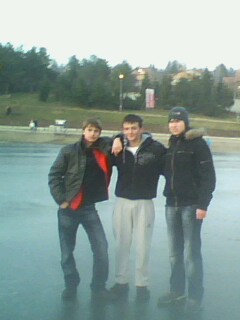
(69, 293)
(171, 298)
(119, 291)
(192, 307)
(142, 294)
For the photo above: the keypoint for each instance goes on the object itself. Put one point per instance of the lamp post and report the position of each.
(121, 77)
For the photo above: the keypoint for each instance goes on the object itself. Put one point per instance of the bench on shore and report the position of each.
(60, 126)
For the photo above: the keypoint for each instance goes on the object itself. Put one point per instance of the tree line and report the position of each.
(92, 83)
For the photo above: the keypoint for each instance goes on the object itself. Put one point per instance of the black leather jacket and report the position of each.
(66, 174)
(189, 171)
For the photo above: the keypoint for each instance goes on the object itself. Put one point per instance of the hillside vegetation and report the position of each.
(25, 107)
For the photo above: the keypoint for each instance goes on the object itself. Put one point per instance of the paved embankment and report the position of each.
(59, 135)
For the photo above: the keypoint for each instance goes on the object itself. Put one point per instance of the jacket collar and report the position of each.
(194, 133)
(188, 135)
(95, 145)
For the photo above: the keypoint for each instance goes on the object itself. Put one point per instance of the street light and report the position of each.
(121, 77)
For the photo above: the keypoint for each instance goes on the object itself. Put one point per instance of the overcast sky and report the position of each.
(200, 34)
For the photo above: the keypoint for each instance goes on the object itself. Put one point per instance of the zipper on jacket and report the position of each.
(135, 156)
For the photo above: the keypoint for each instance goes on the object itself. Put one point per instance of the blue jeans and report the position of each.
(68, 222)
(185, 251)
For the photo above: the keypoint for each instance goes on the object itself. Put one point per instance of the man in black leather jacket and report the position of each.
(79, 178)
(190, 182)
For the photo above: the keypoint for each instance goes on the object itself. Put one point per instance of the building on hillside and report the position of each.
(188, 75)
(233, 83)
(229, 82)
(153, 74)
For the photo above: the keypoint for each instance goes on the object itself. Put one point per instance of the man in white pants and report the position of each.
(139, 165)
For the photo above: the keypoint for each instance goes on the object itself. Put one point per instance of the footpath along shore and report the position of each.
(61, 135)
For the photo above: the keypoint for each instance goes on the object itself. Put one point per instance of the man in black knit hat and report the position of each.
(190, 182)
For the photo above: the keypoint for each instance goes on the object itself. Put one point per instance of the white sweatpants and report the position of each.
(133, 217)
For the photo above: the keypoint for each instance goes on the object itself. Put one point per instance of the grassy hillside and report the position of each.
(27, 107)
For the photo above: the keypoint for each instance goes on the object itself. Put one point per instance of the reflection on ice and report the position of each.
(31, 278)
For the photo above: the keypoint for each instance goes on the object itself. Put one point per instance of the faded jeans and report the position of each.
(68, 222)
(185, 251)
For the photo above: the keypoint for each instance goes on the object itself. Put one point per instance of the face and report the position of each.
(176, 127)
(91, 134)
(133, 132)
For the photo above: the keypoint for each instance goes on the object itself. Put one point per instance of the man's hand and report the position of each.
(64, 205)
(117, 146)
(201, 214)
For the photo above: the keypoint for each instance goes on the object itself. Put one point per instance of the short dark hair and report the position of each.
(94, 122)
(132, 118)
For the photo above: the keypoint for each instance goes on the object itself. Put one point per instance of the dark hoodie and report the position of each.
(138, 174)
(189, 171)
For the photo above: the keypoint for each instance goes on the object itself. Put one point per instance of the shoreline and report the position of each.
(62, 136)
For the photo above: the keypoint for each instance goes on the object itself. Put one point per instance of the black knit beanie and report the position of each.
(179, 113)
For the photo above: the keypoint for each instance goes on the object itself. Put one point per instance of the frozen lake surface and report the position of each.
(31, 279)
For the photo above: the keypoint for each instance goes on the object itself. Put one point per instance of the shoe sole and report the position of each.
(172, 302)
